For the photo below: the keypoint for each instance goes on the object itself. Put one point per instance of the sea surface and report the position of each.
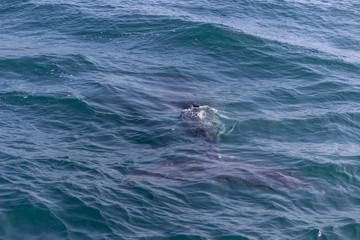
(161, 119)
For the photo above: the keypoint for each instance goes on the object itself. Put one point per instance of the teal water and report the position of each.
(101, 136)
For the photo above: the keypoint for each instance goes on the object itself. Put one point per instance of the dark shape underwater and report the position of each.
(204, 122)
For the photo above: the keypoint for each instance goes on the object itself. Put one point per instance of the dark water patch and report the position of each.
(324, 87)
(328, 64)
(12, 7)
(55, 107)
(280, 96)
(351, 231)
(78, 215)
(33, 221)
(127, 26)
(20, 208)
(41, 16)
(42, 67)
(70, 122)
(44, 105)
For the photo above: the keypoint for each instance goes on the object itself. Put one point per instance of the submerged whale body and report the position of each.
(224, 169)
(205, 123)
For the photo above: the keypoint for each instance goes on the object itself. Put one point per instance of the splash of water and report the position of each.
(206, 121)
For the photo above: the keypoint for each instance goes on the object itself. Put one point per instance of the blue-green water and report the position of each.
(95, 142)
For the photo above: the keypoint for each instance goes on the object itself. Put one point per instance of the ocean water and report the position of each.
(166, 119)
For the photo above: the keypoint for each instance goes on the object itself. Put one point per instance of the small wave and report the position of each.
(255, 28)
(47, 65)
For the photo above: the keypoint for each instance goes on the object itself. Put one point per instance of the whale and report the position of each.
(223, 169)
(204, 124)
